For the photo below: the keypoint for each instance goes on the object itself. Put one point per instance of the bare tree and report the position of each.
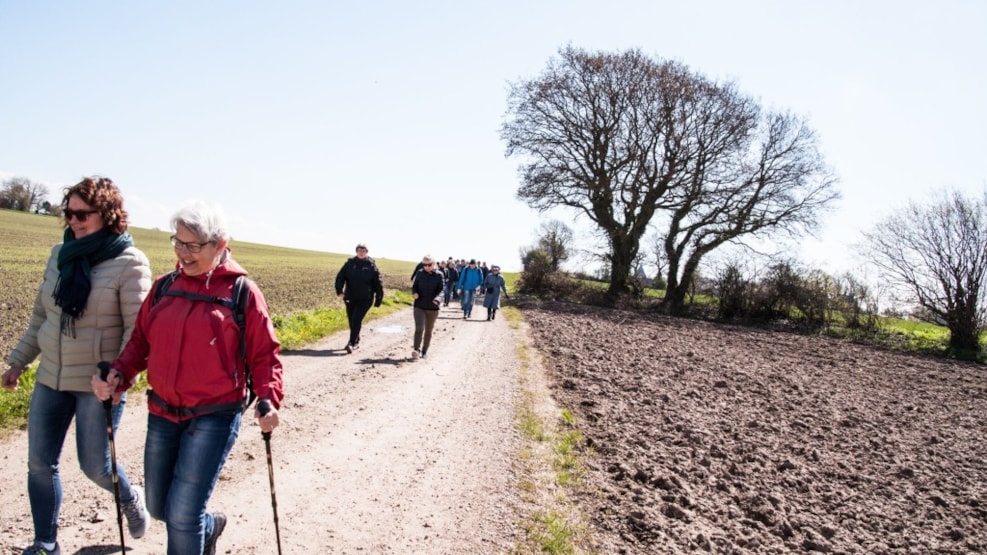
(39, 196)
(938, 253)
(593, 130)
(20, 193)
(15, 195)
(555, 238)
(621, 138)
(765, 176)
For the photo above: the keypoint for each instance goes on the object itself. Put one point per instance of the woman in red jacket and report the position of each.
(190, 345)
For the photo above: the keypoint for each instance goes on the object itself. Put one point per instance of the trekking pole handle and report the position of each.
(104, 369)
(264, 407)
(104, 372)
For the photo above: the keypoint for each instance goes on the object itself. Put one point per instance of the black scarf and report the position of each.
(75, 262)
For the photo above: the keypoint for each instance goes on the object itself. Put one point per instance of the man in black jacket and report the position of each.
(360, 284)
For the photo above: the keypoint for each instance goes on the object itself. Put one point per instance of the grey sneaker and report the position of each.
(36, 549)
(218, 525)
(416, 354)
(136, 513)
(349, 347)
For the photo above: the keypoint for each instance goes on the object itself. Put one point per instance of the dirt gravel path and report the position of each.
(376, 454)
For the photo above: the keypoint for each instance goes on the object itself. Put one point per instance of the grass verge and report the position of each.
(14, 404)
(549, 465)
(302, 329)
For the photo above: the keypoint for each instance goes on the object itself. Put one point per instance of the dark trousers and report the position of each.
(355, 312)
(424, 322)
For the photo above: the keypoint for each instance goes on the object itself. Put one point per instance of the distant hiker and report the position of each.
(360, 285)
(93, 286)
(451, 275)
(199, 369)
(427, 293)
(469, 280)
(414, 272)
(458, 265)
(493, 285)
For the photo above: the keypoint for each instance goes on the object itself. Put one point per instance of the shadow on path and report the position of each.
(387, 360)
(316, 352)
(100, 550)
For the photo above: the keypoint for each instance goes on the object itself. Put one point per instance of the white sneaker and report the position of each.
(136, 513)
(415, 354)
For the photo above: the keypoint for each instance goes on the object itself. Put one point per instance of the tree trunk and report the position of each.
(964, 337)
(677, 289)
(620, 270)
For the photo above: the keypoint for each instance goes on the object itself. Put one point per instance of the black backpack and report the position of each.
(237, 304)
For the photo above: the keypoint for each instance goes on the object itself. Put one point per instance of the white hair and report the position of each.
(206, 220)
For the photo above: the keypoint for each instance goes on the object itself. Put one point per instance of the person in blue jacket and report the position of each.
(469, 280)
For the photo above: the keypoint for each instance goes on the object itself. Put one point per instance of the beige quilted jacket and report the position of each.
(68, 363)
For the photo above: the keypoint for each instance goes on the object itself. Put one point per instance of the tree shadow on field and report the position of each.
(316, 352)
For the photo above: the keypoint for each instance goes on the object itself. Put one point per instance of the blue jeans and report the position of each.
(182, 461)
(469, 295)
(48, 421)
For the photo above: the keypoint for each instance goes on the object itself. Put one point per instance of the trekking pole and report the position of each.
(104, 371)
(264, 407)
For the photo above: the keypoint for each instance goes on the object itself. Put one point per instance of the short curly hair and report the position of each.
(104, 196)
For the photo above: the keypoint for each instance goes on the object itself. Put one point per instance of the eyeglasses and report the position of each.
(81, 215)
(191, 247)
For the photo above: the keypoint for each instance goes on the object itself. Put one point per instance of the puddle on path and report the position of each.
(395, 328)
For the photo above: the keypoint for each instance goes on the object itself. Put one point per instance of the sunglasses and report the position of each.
(428, 264)
(191, 247)
(81, 215)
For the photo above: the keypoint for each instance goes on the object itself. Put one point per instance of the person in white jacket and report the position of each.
(93, 287)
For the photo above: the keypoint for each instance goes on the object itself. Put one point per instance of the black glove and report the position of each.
(377, 303)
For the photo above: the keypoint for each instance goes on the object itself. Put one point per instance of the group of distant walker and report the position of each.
(433, 285)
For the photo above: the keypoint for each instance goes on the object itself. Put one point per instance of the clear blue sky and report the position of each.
(318, 126)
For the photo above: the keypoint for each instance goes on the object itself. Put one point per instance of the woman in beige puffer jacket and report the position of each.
(93, 287)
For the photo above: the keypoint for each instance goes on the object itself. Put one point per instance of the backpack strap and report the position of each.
(162, 286)
(241, 296)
